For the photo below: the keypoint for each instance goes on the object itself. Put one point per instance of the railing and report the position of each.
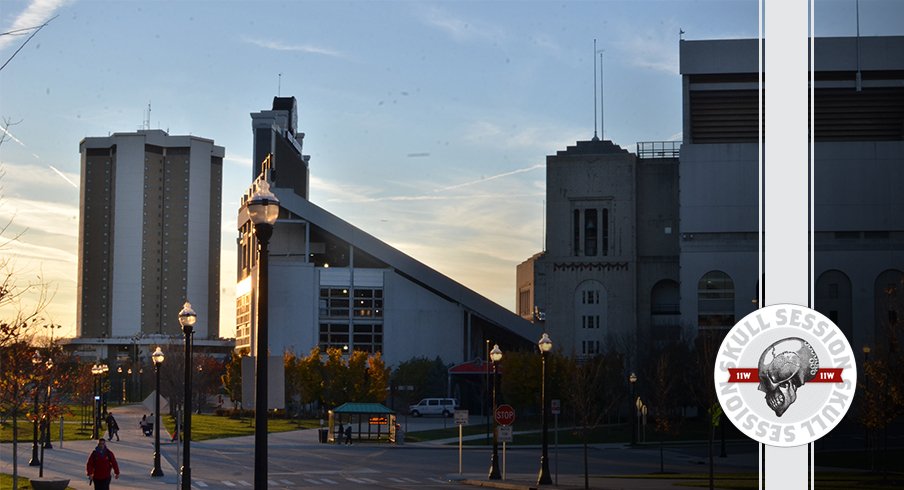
(658, 149)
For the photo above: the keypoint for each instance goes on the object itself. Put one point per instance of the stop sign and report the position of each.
(505, 415)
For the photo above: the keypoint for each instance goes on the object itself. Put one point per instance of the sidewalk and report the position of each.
(134, 453)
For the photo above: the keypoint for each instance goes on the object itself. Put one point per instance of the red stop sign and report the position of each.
(505, 415)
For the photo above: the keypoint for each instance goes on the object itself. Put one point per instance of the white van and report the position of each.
(434, 406)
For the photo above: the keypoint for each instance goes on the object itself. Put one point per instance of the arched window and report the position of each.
(715, 301)
(833, 299)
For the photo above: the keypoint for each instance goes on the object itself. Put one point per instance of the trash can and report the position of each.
(399, 437)
(324, 435)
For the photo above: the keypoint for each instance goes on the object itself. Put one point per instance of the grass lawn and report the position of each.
(6, 481)
(72, 428)
(207, 426)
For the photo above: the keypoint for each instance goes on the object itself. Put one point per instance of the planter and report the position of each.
(48, 484)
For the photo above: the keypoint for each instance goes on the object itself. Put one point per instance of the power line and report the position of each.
(36, 30)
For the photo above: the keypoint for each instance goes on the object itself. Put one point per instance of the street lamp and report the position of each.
(187, 318)
(263, 209)
(122, 397)
(35, 461)
(104, 370)
(95, 409)
(157, 357)
(545, 345)
(45, 432)
(45, 443)
(639, 405)
(866, 351)
(495, 356)
(633, 380)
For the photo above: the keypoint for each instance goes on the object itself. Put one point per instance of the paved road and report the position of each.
(297, 460)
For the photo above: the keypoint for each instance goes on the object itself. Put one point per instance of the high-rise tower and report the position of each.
(149, 234)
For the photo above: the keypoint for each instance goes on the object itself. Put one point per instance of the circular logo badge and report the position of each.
(785, 375)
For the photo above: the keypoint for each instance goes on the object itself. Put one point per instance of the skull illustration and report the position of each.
(784, 367)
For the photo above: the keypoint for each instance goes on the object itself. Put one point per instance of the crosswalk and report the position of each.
(338, 481)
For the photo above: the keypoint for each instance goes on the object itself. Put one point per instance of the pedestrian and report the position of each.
(348, 434)
(112, 427)
(100, 464)
(340, 433)
(175, 432)
(144, 424)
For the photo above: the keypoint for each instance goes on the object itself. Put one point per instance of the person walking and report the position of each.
(348, 435)
(112, 427)
(340, 433)
(101, 463)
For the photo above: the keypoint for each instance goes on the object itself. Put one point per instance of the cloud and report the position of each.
(241, 160)
(302, 48)
(35, 14)
(654, 48)
(535, 138)
(460, 29)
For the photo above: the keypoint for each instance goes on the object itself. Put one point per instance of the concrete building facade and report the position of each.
(642, 247)
(332, 285)
(149, 237)
(609, 275)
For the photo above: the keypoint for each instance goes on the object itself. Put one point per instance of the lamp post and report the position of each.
(157, 357)
(104, 372)
(495, 356)
(866, 351)
(122, 398)
(263, 209)
(639, 405)
(95, 409)
(130, 390)
(45, 432)
(633, 380)
(35, 461)
(543, 478)
(45, 441)
(187, 318)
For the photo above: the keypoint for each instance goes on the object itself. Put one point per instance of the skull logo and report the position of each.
(784, 367)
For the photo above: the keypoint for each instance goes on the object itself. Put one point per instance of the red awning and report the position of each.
(477, 366)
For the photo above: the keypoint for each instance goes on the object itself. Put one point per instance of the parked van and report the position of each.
(434, 406)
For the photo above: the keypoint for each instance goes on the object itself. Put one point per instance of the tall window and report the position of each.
(605, 230)
(590, 229)
(576, 230)
(715, 301)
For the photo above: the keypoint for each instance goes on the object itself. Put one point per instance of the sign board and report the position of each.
(377, 421)
(275, 377)
(555, 406)
(461, 417)
(505, 433)
(504, 415)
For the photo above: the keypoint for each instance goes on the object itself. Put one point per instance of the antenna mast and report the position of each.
(279, 85)
(595, 138)
(602, 99)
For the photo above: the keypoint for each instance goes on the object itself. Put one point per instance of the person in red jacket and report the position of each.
(100, 464)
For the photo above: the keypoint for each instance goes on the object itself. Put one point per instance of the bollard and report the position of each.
(61, 432)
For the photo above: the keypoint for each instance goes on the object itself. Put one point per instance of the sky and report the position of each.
(428, 123)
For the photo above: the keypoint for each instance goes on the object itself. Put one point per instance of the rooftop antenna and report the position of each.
(595, 138)
(146, 124)
(602, 99)
(859, 80)
(279, 85)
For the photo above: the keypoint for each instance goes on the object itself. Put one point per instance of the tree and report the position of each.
(310, 377)
(208, 374)
(232, 377)
(427, 378)
(668, 392)
(377, 378)
(597, 386)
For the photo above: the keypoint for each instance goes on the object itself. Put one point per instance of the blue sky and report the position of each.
(427, 123)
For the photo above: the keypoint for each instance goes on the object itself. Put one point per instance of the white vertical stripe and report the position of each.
(786, 259)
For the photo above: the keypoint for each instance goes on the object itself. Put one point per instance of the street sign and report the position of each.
(555, 406)
(505, 415)
(505, 433)
(461, 417)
